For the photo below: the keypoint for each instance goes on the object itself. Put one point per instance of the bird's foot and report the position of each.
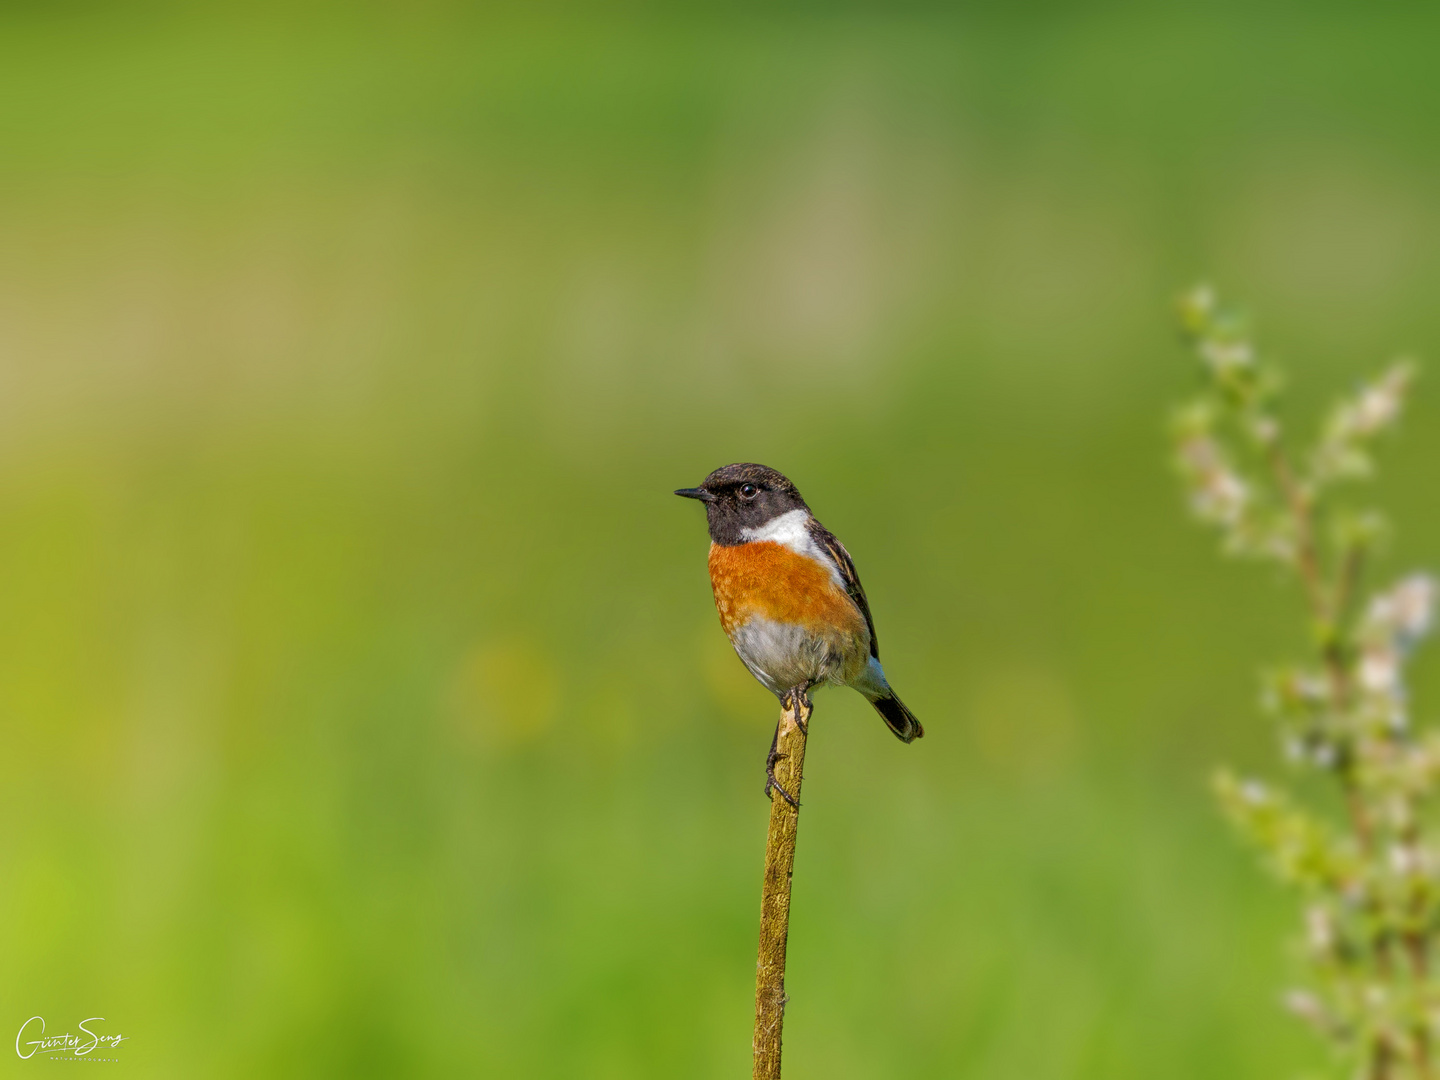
(770, 782)
(798, 701)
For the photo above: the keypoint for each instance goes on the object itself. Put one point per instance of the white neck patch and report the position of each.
(790, 530)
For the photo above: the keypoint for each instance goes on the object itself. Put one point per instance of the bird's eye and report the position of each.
(748, 491)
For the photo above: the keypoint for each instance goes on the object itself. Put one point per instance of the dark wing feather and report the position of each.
(829, 543)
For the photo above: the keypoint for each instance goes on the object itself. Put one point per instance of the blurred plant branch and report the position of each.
(1370, 882)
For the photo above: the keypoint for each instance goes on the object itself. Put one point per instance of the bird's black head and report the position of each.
(743, 496)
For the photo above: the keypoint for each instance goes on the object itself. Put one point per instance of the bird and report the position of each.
(789, 597)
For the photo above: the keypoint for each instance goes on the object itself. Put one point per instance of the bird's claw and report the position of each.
(771, 782)
(798, 703)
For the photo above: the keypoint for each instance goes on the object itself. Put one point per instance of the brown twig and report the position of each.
(1417, 947)
(1307, 554)
(1326, 611)
(1352, 566)
(1359, 815)
(1382, 1057)
(770, 996)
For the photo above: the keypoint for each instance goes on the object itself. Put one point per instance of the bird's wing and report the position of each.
(831, 545)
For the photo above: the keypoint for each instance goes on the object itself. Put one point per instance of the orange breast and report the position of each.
(770, 579)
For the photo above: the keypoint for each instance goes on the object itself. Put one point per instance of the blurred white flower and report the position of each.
(1319, 929)
(1265, 429)
(1218, 494)
(1341, 452)
(1407, 610)
(1200, 454)
(1197, 307)
(1375, 408)
(1394, 622)
(1380, 670)
(1253, 792)
(1200, 299)
(1404, 859)
(1397, 813)
(1222, 497)
(1280, 546)
(1227, 355)
(1307, 1007)
(1379, 403)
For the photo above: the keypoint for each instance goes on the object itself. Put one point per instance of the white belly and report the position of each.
(783, 655)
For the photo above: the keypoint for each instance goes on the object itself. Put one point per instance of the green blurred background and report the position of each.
(363, 709)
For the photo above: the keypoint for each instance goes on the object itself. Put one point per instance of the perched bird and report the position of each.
(789, 598)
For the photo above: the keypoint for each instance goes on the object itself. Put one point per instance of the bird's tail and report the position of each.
(899, 719)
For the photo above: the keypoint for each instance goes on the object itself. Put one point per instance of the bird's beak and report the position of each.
(696, 493)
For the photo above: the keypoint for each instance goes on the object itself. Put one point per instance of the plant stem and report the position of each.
(1417, 945)
(770, 996)
(1352, 565)
(1381, 1058)
(1307, 555)
(1308, 563)
(1359, 815)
